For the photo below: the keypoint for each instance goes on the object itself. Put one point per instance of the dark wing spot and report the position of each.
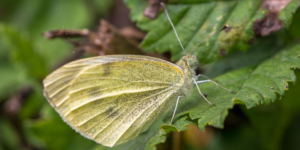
(93, 90)
(96, 91)
(107, 69)
(109, 110)
(114, 114)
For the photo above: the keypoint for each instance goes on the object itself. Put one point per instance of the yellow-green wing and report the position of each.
(111, 99)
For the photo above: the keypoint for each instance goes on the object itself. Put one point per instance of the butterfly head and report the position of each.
(192, 62)
(188, 62)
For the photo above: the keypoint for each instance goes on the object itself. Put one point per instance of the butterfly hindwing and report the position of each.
(111, 99)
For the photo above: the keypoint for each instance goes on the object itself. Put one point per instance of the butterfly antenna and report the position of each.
(163, 6)
(223, 28)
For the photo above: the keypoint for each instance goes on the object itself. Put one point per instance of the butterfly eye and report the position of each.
(192, 62)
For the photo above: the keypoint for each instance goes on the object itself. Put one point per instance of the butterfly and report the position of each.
(111, 99)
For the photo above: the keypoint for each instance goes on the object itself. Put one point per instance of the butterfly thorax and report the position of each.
(188, 64)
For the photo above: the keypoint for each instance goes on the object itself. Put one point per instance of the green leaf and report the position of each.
(250, 84)
(263, 49)
(270, 78)
(195, 20)
(268, 127)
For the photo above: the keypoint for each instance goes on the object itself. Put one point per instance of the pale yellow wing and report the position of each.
(111, 99)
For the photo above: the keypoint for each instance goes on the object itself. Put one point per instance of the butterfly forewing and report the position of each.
(111, 99)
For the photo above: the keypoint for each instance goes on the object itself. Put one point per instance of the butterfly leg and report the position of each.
(195, 82)
(175, 109)
(199, 75)
(209, 80)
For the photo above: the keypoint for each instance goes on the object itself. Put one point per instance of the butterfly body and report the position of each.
(111, 99)
(188, 64)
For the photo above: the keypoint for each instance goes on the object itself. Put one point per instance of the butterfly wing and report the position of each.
(111, 99)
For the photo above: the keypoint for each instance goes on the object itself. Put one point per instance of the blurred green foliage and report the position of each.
(26, 58)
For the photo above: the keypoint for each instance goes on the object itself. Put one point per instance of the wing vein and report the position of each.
(133, 108)
(118, 93)
(144, 121)
(125, 117)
